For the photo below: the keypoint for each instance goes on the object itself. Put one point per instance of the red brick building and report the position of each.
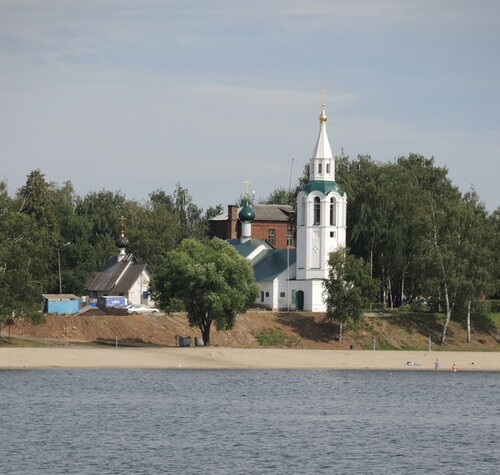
(271, 224)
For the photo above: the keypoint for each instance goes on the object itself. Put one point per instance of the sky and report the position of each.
(136, 96)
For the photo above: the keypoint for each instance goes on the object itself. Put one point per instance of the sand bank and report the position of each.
(238, 358)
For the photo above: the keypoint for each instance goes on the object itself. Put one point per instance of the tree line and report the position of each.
(38, 222)
(424, 242)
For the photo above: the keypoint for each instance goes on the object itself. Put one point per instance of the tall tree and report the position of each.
(23, 265)
(189, 214)
(77, 257)
(211, 281)
(36, 201)
(102, 210)
(475, 256)
(348, 289)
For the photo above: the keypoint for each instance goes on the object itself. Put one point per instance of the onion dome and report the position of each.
(322, 117)
(246, 213)
(121, 242)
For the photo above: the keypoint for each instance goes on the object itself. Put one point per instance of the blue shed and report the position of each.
(61, 304)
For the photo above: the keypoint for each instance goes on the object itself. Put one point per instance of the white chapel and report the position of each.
(293, 278)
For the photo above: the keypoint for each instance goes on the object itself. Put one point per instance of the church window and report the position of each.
(317, 211)
(320, 168)
(262, 296)
(332, 212)
(282, 294)
(289, 239)
(327, 168)
(271, 236)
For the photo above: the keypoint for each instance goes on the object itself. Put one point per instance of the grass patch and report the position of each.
(6, 342)
(276, 338)
(495, 318)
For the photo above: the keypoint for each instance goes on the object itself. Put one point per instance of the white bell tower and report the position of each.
(321, 212)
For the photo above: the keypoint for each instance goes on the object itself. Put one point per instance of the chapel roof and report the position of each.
(118, 275)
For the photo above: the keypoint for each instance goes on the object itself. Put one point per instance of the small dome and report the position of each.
(246, 213)
(322, 117)
(121, 242)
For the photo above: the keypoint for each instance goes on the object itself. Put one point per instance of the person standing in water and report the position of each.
(436, 364)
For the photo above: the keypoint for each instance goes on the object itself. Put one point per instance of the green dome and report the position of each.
(246, 213)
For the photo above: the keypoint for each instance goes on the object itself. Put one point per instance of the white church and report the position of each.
(293, 278)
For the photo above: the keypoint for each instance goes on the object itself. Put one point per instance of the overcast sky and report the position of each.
(135, 96)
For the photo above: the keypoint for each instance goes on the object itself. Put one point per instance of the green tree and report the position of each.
(189, 214)
(279, 196)
(76, 258)
(494, 224)
(36, 201)
(24, 265)
(153, 229)
(348, 289)
(211, 281)
(440, 253)
(102, 210)
(475, 254)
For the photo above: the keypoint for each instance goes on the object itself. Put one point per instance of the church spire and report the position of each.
(322, 163)
(322, 149)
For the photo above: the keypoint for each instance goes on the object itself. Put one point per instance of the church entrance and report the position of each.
(299, 304)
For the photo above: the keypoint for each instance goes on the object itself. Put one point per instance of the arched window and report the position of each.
(320, 169)
(317, 211)
(332, 212)
(327, 168)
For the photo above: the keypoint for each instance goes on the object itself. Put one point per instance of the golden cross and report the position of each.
(323, 95)
(122, 219)
(246, 183)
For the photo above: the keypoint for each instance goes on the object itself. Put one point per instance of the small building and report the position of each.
(123, 275)
(271, 223)
(61, 304)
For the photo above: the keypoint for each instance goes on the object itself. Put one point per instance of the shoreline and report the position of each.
(242, 358)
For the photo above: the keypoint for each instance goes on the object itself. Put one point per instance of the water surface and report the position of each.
(255, 421)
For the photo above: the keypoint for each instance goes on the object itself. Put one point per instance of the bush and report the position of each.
(276, 337)
(494, 305)
(481, 306)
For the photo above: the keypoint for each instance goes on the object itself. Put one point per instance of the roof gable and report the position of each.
(118, 276)
(249, 249)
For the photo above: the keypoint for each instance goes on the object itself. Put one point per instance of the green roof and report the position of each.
(244, 249)
(272, 262)
(324, 187)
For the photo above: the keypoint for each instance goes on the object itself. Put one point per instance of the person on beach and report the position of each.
(436, 364)
(454, 368)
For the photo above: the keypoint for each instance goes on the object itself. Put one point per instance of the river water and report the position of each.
(239, 422)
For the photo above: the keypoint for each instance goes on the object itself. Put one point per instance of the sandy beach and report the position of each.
(240, 358)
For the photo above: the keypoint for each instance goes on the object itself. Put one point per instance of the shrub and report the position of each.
(276, 337)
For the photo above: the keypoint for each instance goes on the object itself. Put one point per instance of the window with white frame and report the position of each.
(271, 236)
(332, 212)
(317, 211)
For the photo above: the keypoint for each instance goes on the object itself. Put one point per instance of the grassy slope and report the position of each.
(301, 330)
